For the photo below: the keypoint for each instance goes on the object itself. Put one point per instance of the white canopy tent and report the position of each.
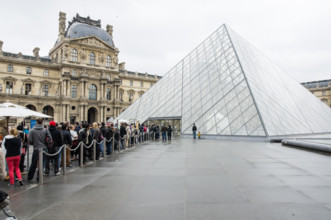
(10, 110)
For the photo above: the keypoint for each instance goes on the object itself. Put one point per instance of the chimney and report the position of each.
(109, 29)
(1, 43)
(36, 52)
(62, 25)
(122, 66)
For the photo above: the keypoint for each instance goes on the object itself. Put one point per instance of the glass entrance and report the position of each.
(174, 123)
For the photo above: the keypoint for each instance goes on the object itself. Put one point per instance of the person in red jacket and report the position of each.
(13, 146)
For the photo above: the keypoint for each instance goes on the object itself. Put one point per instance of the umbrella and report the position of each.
(8, 110)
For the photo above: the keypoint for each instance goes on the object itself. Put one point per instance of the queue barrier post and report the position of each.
(94, 150)
(81, 154)
(41, 167)
(64, 161)
(104, 146)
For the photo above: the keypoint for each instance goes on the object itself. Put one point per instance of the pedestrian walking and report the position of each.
(164, 133)
(194, 129)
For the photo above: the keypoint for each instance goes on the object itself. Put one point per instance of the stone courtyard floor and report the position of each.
(187, 179)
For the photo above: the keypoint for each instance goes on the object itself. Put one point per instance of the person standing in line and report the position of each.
(122, 134)
(109, 141)
(83, 137)
(169, 133)
(74, 140)
(37, 138)
(96, 136)
(103, 132)
(68, 142)
(128, 134)
(13, 145)
(57, 140)
(194, 129)
(24, 141)
(164, 133)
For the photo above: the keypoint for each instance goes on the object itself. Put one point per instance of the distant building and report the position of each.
(321, 89)
(80, 80)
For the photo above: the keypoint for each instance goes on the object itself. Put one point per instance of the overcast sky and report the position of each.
(154, 35)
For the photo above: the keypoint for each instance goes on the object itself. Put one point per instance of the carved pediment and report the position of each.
(28, 80)
(46, 82)
(92, 41)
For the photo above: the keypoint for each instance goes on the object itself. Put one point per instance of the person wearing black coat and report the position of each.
(109, 141)
(122, 133)
(82, 137)
(57, 140)
(169, 133)
(117, 137)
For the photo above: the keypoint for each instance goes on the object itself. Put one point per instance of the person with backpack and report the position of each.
(109, 141)
(13, 145)
(122, 133)
(82, 137)
(37, 138)
(57, 143)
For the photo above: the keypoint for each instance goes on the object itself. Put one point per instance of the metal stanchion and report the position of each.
(113, 147)
(27, 154)
(94, 150)
(41, 167)
(81, 156)
(64, 159)
(104, 146)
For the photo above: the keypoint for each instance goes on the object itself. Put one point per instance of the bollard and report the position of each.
(113, 147)
(94, 150)
(104, 146)
(41, 167)
(64, 159)
(27, 154)
(81, 156)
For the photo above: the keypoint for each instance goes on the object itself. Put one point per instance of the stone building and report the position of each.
(321, 89)
(80, 79)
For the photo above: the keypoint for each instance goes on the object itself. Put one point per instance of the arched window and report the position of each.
(93, 92)
(92, 58)
(108, 61)
(74, 55)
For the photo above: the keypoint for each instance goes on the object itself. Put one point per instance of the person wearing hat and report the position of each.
(57, 140)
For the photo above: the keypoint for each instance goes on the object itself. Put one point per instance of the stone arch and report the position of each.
(92, 114)
(31, 107)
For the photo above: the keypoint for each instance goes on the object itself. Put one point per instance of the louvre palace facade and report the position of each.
(80, 79)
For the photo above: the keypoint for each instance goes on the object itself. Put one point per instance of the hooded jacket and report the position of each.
(56, 136)
(37, 137)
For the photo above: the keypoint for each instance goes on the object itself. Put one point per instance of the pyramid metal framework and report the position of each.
(227, 87)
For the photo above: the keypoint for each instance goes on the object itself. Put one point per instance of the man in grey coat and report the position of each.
(37, 138)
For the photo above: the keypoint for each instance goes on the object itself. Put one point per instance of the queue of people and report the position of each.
(51, 138)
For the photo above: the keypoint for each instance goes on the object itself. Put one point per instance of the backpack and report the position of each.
(48, 140)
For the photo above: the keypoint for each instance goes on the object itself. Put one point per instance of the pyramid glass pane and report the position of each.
(228, 88)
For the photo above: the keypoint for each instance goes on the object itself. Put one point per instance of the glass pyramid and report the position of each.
(227, 87)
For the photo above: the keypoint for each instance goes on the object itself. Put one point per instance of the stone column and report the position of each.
(101, 113)
(82, 89)
(64, 86)
(63, 113)
(81, 117)
(68, 113)
(68, 87)
(86, 90)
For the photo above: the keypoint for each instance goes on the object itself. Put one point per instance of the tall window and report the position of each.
(74, 55)
(108, 61)
(131, 83)
(121, 96)
(73, 91)
(93, 92)
(45, 72)
(27, 89)
(141, 83)
(74, 72)
(0, 87)
(130, 97)
(92, 58)
(10, 68)
(45, 90)
(108, 93)
(108, 76)
(28, 70)
(9, 87)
